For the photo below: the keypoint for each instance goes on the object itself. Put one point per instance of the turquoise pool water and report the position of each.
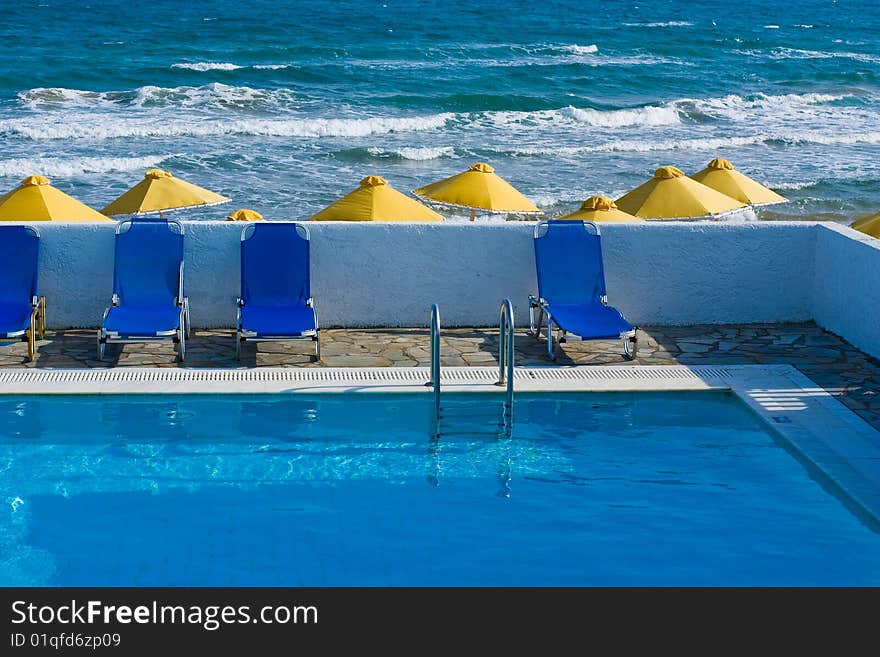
(611, 489)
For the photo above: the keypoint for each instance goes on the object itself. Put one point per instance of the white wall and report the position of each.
(846, 297)
(371, 274)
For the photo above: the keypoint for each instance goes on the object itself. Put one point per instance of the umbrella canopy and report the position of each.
(244, 215)
(478, 188)
(376, 200)
(159, 191)
(672, 195)
(600, 208)
(36, 200)
(868, 225)
(722, 177)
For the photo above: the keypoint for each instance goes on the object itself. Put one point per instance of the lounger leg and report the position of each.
(631, 346)
(551, 352)
(102, 345)
(41, 326)
(181, 344)
(237, 345)
(317, 348)
(31, 339)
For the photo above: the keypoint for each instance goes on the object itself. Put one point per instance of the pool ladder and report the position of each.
(506, 336)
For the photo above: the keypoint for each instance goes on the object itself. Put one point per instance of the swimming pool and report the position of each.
(625, 488)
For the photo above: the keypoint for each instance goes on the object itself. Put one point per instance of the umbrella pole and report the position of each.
(473, 215)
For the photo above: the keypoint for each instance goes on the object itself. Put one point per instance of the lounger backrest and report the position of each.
(19, 264)
(148, 256)
(275, 265)
(568, 257)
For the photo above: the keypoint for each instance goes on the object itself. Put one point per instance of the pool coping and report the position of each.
(817, 427)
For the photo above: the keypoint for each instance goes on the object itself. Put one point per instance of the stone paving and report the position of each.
(827, 359)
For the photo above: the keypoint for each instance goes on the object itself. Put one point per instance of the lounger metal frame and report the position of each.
(37, 326)
(179, 335)
(630, 338)
(241, 335)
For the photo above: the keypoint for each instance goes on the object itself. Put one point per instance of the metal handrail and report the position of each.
(505, 349)
(435, 356)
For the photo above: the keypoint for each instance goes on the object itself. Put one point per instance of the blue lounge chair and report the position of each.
(148, 298)
(571, 287)
(276, 299)
(22, 309)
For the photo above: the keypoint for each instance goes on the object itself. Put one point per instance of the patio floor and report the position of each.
(828, 360)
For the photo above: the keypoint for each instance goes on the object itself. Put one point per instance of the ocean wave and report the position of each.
(412, 153)
(86, 127)
(743, 108)
(213, 95)
(581, 50)
(641, 116)
(207, 66)
(708, 144)
(662, 24)
(272, 67)
(799, 53)
(732, 107)
(64, 167)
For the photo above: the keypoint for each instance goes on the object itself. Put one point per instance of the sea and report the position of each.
(284, 105)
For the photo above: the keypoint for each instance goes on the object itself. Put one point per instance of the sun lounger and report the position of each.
(22, 309)
(276, 299)
(571, 287)
(148, 297)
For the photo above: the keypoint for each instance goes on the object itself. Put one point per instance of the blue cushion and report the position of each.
(590, 322)
(14, 318)
(128, 320)
(275, 321)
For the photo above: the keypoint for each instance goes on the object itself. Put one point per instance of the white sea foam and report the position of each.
(68, 167)
(799, 53)
(86, 127)
(793, 185)
(661, 24)
(46, 97)
(640, 116)
(744, 108)
(573, 117)
(709, 144)
(771, 27)
(215, 94)
(207, 66)
(581, 50)
(417, 154)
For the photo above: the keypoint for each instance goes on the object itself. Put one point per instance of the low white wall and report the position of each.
(846, 297)
(372, 274)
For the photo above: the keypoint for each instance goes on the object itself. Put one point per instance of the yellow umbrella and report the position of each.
(376, 200)
(600, 208)
(868, 225)
(478, 188)
(722, 177)
(159, 191)
(36, 200)
(672, 195)
(245, 215)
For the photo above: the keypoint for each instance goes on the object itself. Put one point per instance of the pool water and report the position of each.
(325, 490)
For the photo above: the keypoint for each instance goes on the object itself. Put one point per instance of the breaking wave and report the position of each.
(207, 66)
(416, 154)
(85, 127)
(214, 95)
(56, 166)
